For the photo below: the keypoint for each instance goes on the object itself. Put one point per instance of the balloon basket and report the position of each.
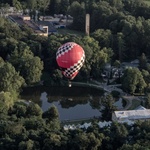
(69, 84)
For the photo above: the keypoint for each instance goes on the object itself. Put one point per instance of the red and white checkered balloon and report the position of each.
(70, 58)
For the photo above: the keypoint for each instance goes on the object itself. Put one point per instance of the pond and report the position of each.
(72, 103)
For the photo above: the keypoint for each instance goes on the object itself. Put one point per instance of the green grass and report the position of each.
(135, 104)
(125, 101)
(147, 2)
(72, 32)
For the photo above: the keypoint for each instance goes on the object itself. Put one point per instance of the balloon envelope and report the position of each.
(70, 58)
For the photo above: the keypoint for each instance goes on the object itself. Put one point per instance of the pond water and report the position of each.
(72, 103)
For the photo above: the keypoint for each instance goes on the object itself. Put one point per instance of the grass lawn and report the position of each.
(135, 104)
(147, 2)
(72, 32)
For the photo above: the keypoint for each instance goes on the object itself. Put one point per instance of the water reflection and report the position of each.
(79, 111)
(119, 103)
(72, 103)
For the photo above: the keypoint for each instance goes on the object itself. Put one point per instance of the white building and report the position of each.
(140, 113)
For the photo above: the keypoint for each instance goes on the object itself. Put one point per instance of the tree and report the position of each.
(130, 36)
(133, 146)
(107, 107)
(17, 5)
(101, 15)
(95, 141)
(133, 81)
(26, 145)
(43, 5)
(52, 118)
(77, 11)
(147, 101)
(31, 70)
(54, 7)
(1, 61)
(10, 80)
(143, 61)
(117, 4)
(19, 109)
(82, 141)
(121, 46)
(51, 113)
(64, 4)
(32, 4)
(12, 31)
(146, 76)
(95, 56)
(30, 67)
(117, 64)
(4, 8)
(53, 142)
(7, 46)
(6, 101)
(104, 37)
(33, 122)
(34, 110)
(120, 134)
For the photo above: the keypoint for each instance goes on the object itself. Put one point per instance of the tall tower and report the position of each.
(87, 24)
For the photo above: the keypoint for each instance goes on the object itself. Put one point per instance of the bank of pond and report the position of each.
(72, 103)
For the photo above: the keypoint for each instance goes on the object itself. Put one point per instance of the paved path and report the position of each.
(129, 101)
(115, 87)
(110, 88)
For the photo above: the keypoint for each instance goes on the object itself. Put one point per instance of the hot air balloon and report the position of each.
(70, 58)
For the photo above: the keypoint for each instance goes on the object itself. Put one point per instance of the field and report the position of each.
(147, 2)
(71, 32)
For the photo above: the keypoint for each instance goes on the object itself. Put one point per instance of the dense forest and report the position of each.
(119, 31)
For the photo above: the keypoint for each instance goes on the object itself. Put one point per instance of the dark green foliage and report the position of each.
(107, 107)
(119, 30)
(51, 113)
(37, 132)
(10, 80)
(133, 80)
(115, 94)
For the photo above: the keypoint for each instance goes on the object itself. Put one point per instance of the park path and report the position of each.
(110, 88)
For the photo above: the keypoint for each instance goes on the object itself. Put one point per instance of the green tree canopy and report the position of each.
(6, 101)
(30, 67)
(10, 80)
(133, 80)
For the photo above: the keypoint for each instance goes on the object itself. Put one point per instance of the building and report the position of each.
(133, 64)
(51, 29)
(21, 20)
(139, 113)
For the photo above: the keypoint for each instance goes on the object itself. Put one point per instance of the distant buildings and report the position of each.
(26, 20)
(46, 24)
(114, 72)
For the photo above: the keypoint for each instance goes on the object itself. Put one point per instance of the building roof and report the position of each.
(133, 114)
(18, 19)
(140, 108)
(51, 27)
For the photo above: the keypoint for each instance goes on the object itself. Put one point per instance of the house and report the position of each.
(139, 113)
